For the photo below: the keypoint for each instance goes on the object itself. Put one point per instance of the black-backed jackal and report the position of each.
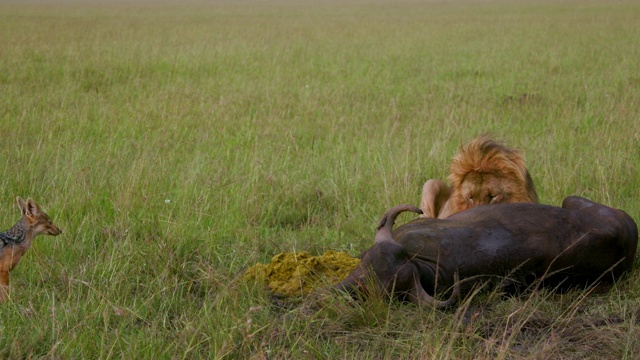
(15, 242)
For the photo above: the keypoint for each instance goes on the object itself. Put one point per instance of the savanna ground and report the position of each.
(177, 144)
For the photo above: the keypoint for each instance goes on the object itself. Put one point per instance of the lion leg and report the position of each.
(435, 196)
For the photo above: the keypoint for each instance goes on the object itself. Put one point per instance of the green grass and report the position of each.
(177, 144)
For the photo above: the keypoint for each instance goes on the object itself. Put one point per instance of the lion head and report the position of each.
(483, 172)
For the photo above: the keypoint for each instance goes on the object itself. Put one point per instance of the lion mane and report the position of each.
(483, 172)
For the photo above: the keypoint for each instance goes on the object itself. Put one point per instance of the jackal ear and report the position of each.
(28, 207)
(21, 204)
(32, 207)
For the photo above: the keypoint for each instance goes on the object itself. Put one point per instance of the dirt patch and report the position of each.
(294, 274)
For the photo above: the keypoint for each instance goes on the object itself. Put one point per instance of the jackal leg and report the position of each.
(4, 285)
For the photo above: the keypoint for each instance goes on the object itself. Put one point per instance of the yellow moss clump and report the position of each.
(299, 273)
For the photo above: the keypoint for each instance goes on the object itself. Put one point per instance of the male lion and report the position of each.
(483, 172)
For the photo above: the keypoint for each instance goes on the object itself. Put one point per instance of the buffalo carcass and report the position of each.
(580, 243)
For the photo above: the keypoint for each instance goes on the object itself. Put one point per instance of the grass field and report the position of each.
(178, 143)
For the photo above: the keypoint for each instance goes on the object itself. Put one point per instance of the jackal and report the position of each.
(15, 241)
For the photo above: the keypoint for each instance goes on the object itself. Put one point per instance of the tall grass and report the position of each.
(178, 143)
